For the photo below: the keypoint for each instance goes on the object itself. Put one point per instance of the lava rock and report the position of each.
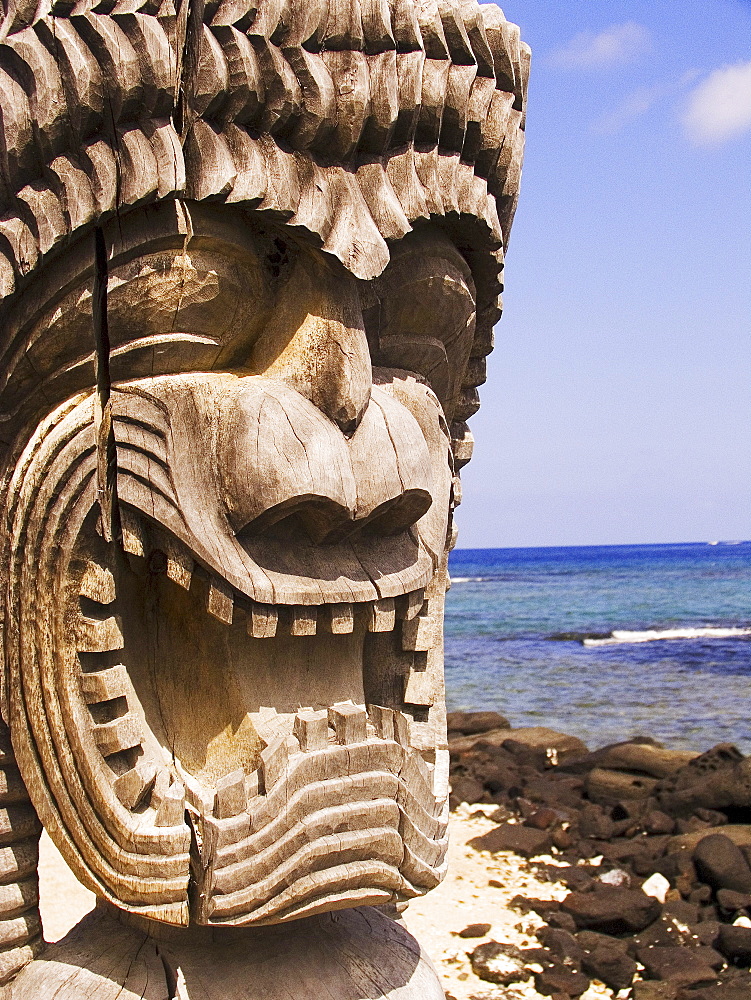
(612, 911)
(610, 787)
(658, 822)
(561, 979)
(611, 965)
(652, 990)
(472, 723)
(562, 944)
(498, 963)
(721, 864)
(682, 966)
(735, 989)
(735, 943)
(522, 840)
(475, 931)
(731, 901)
(466, 789)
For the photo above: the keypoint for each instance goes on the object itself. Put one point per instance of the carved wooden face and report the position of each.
(233, 712)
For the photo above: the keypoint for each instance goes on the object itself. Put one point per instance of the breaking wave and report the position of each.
(653, 635)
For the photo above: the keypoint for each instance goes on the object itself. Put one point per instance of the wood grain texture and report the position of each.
(251, 256)
(355, 952)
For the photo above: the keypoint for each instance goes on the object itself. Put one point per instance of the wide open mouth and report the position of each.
(259, 724)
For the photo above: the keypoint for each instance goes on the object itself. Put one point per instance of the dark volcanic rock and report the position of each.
(683, 966)
(522, 840)
(736, 989)
(561, 979)
(561, 943)
(731, 901)
(472, 723)
(735, 943)
(721, 864)
(466, 789)
(612, 911)
(652, 990)
(718, 779)
(498, 963)
(475, 931)
(611, 787)
(611, 965)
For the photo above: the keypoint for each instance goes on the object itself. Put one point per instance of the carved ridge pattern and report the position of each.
(20, 923)
(119, 104)
(355, 770)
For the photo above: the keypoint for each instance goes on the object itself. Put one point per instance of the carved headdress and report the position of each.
(194, 199)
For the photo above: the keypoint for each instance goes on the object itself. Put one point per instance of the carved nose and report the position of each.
(316, 342)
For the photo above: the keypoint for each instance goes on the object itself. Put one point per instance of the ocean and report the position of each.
(576, 639)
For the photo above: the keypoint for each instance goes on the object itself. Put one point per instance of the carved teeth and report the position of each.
(420, 634)
(220, 601)
(171, 809)
(103, 636)
(349, 722)
(303, 621)
(104, 685)
(120, 734)
(230, 798)
(133, 534)
(382, 617)
(339, 618)
(133, 786)
(179, 563)
(275, 760)
(312, 729)
(408, 606)
(262, 621)
(98, 584)
(402, 729)
(383, 720)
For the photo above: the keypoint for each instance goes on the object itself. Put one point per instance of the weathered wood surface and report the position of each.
(350, 955)
(250, 262)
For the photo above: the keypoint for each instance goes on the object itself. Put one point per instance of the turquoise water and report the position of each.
(505, 605)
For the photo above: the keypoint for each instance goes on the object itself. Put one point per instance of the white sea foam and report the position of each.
(469, 579)
(652, 635)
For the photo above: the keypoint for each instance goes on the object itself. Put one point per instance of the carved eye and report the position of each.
(423, 319)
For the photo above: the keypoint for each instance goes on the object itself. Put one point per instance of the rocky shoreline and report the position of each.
(651, 846)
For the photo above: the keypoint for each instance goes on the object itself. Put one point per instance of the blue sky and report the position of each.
(618, 401)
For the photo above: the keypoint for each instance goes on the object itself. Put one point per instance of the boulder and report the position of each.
(557, 746)
(735, 943)
(524, 840)
(472, 723)
(682, 966)
(721, 864)
(612, 910)
(561, 980)
(465, 789)
(652, 990)
(611, 965)
(738, 988)
(731, 901)
(499, 963)
(562, 944)
(719, 779)
(739, 833)
(610, 787)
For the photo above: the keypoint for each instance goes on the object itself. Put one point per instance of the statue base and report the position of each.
(357, 954)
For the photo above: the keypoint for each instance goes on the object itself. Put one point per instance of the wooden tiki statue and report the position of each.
(250, 263)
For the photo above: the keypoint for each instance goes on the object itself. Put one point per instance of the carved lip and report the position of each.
(217, 460)
(260, 737)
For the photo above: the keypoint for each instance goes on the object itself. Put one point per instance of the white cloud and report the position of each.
(614, 46)
(720, 107)
(639, 102)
